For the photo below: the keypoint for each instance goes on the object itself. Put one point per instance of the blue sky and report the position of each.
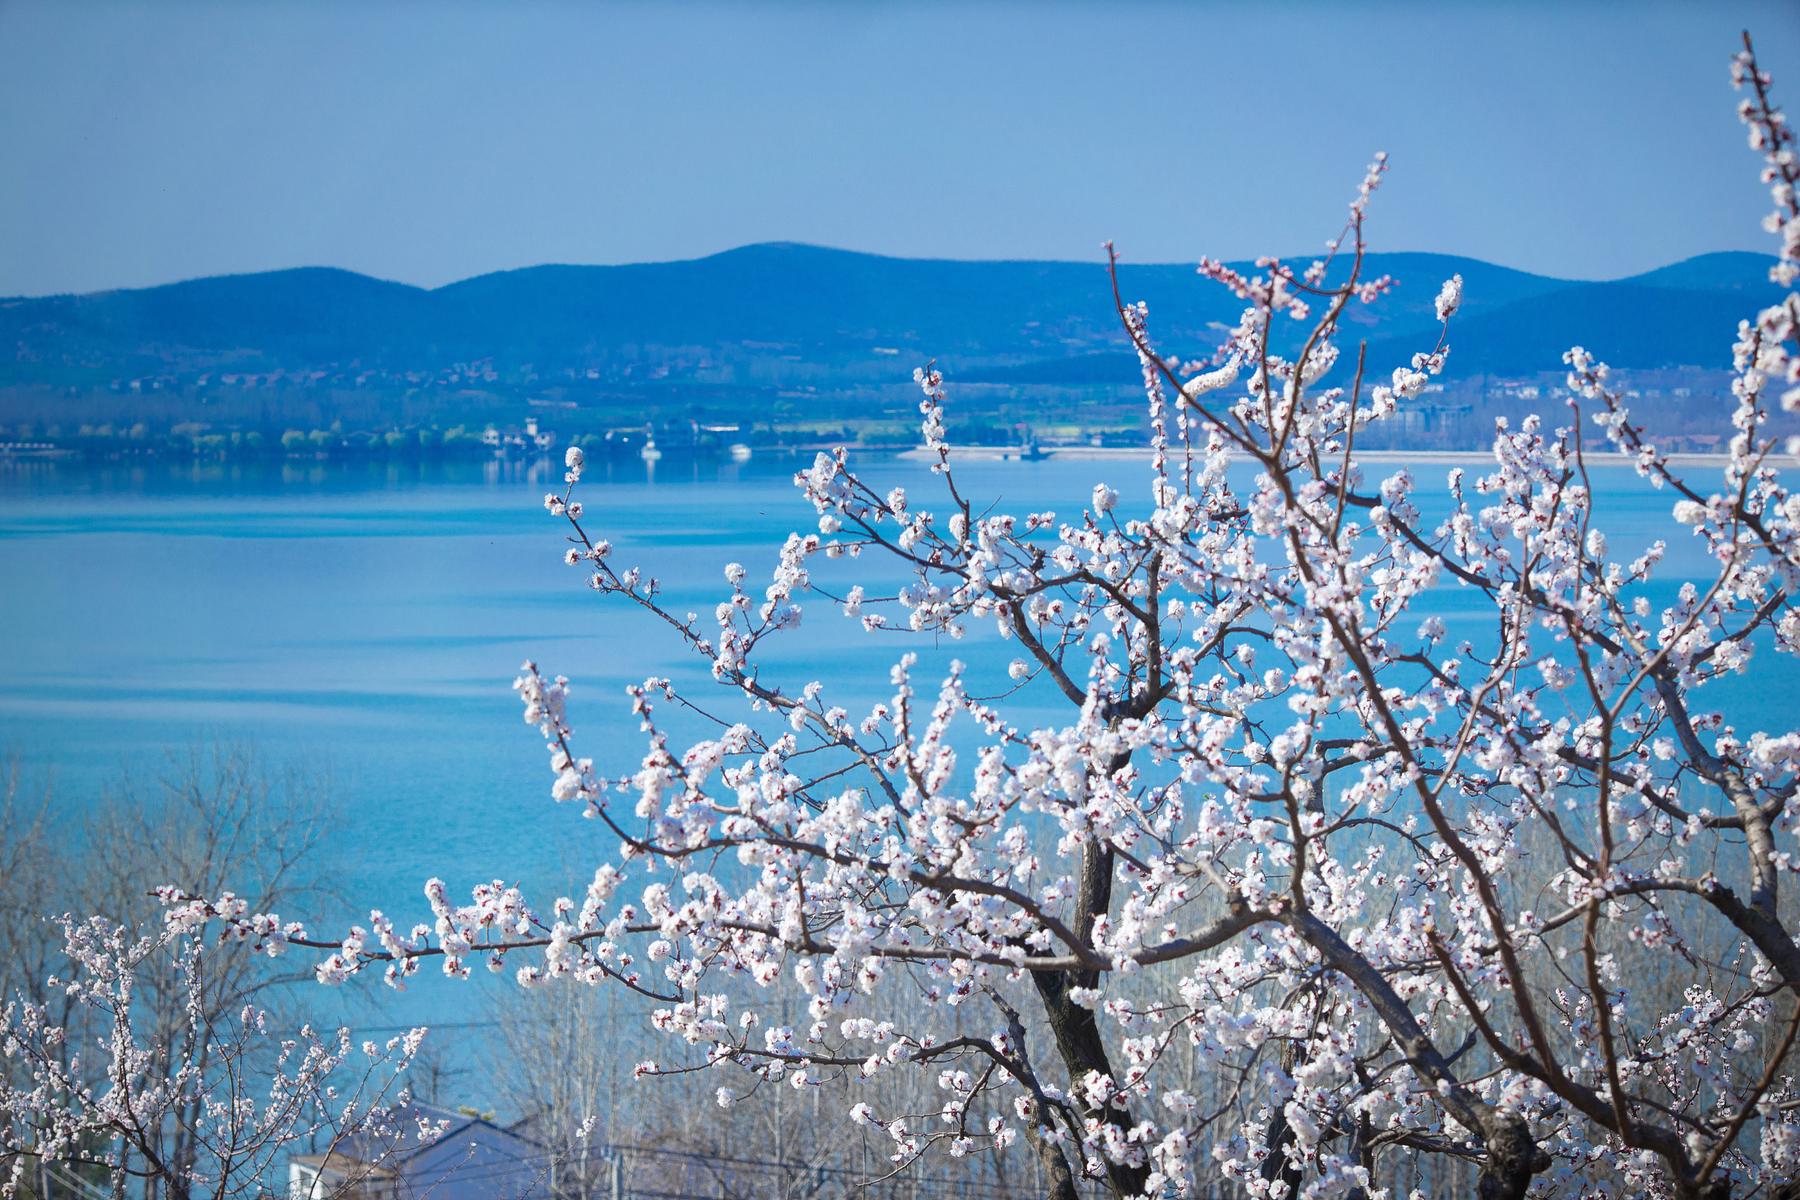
(145, 143)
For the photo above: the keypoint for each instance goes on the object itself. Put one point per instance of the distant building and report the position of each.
(471, 1159)
(1692, 443)
(513, 440)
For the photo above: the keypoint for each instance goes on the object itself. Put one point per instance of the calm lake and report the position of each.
(368, 622)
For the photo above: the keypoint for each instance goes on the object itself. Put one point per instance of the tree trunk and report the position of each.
(1059, 1181)
(1277, 1165)
(1512, 1159)
(1076, 1031)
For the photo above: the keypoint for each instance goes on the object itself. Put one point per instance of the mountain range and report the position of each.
(785, 316)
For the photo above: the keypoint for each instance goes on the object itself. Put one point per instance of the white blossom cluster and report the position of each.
(1768, 349)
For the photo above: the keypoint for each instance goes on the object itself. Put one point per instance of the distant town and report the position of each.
(1451, 415)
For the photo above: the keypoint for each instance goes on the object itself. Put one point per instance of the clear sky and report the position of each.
(142, 143)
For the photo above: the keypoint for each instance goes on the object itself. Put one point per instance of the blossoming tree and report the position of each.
(93, 1084)
(1512, 900)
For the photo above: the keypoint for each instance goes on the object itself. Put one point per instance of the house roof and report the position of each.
(399, 1141)
(473, 1159)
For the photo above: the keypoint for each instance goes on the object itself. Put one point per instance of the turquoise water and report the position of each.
(369, 622)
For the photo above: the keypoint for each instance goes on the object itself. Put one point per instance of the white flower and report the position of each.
(1449, 298)
(1690, 512)
(1105, 498)
(1408, 383)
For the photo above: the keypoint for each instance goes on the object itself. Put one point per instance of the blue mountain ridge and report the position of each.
(998, 321)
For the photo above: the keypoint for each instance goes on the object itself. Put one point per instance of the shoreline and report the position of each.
(1424, 457)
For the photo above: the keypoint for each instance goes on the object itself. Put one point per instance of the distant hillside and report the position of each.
(1033, 321)
(800, 344)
